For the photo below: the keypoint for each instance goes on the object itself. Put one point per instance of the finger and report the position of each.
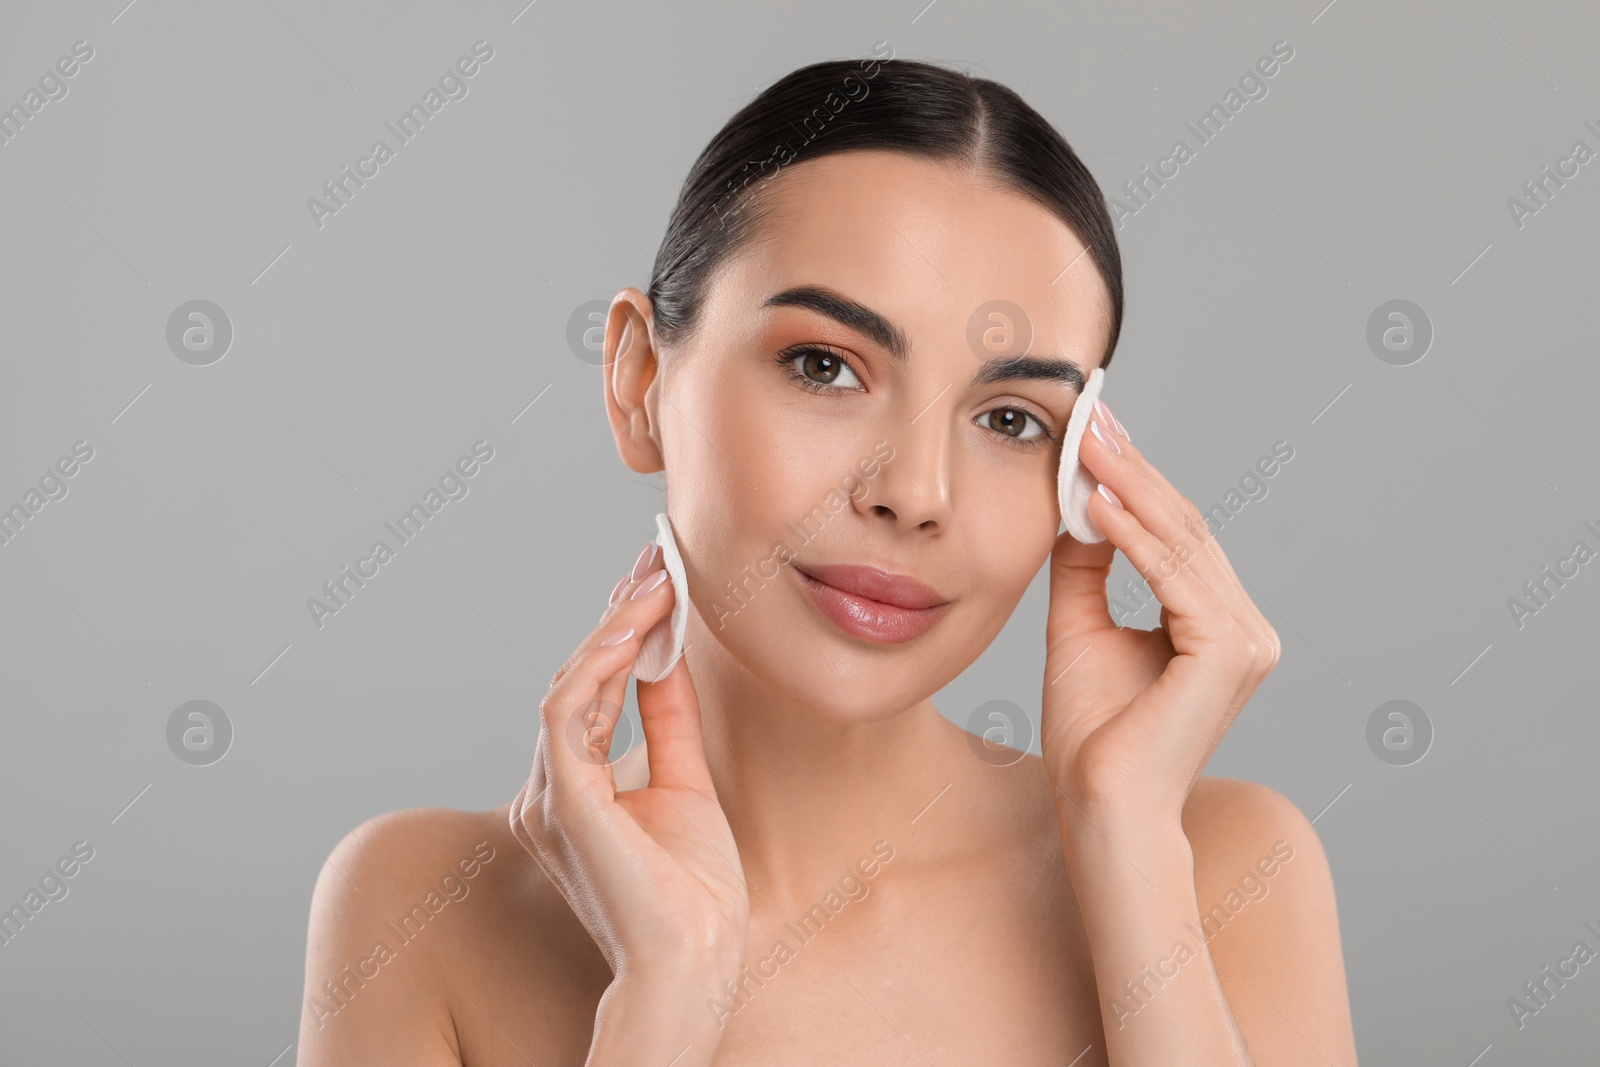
(650, 560)
(596, 727)
(1078, 576)
(669, 713)
(1161, 509)
(1214, 567)
(669, 710)
(574, 714)
(1171, 578)
(1193, 520)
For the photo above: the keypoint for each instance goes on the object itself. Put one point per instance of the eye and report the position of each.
(818, 369)
(1012, 422)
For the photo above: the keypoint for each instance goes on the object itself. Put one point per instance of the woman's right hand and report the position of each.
(652, 873)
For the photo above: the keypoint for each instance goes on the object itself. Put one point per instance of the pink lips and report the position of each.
(870, 603)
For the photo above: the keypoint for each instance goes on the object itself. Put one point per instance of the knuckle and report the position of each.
(554, 699)
(1239, 640)
(548, 710)
(525, 817)
(570, 664)
(1262, 649)
(519, 821)
(1272, 647)
(560, 673)
(541, 821)
(595, 791)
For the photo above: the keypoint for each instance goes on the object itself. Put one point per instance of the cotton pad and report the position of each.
(663, 644)
(1074, 484)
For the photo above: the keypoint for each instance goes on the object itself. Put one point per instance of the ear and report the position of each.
(631, 363)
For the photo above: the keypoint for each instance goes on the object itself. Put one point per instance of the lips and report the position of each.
(870, 603)
(895, 590)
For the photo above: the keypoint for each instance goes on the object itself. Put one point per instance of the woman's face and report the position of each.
(831, 412)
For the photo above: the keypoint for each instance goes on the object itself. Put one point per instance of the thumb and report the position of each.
(669, 711)
(1079, 574)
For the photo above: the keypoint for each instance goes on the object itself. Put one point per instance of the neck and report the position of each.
(806, 796)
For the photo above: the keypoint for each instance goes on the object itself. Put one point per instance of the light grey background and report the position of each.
(370, 353)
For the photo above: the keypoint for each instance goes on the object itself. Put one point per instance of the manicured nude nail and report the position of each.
(650, 586)
(1109, 442)
(617, 638)
(617, 589)
(1109, 495)
(1116, 423)
(642, 564)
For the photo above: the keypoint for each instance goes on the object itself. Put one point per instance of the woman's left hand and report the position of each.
(1131, 717)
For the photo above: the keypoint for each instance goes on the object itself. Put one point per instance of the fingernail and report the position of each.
(642, 564)
(650, 586)
(617, 638)
(1116, 423)
(1109, 495)
(617, 590)
(1107, 441)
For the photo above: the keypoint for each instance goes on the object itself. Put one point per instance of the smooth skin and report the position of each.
(962, 910)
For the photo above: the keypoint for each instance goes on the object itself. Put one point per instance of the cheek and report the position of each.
(742, 479)
(1009, 529)
(1005, 500)
(771, 455)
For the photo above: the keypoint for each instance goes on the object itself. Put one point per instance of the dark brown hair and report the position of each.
(899, 105)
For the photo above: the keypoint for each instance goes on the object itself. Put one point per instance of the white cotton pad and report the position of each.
(1073, 483)
(663, 644)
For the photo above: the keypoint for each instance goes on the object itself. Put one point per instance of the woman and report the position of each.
(804, 862)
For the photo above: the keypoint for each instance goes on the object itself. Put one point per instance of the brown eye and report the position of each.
(819, 370)
(821, 366)
(1012, 422)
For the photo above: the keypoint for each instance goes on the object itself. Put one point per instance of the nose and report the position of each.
(913, 487)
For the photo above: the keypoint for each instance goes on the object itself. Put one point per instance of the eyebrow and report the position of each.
(892, 339)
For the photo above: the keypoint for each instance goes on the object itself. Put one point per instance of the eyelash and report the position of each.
(789, 357)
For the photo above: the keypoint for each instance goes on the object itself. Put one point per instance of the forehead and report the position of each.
(925, 243)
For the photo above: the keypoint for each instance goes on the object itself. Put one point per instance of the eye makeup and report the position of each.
(791, 357)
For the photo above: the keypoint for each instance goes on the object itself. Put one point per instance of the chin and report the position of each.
(840, 681)
(860, 706)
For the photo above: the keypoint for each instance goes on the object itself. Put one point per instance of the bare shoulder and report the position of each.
(1250, 843)
(411, 912)
(1224, 815)
(1267, 910)
(397, 848)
